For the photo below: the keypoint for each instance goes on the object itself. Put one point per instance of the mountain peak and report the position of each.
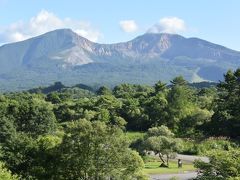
(66, 34)
(61, 31)
(154, 44)
(160, 35)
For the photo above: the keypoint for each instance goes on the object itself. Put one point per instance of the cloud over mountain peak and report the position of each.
(43, 22)
(172, 25)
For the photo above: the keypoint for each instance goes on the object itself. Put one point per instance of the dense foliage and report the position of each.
(6, 174)
(222, 166)
(226, 117)
(71, 133)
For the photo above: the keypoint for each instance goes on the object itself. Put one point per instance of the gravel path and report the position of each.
(183, 176)
(191, 158)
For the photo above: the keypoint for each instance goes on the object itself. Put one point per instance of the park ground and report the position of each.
(153, 167)
(188, 170)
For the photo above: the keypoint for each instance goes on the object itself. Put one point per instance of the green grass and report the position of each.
(153, 168)
(133, 136)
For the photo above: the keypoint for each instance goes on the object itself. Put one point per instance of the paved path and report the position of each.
(183, 176)
(191, 158)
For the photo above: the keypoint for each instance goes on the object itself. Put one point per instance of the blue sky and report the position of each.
(109, 21)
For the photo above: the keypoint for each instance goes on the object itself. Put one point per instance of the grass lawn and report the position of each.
(152, 167)
(132, 136)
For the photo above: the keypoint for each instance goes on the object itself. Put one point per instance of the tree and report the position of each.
(106, 108)
(133, 113)
(179, 81)
(30, 114)
(53, 98)
(93, 150)
(206, 97)
(5, 174)
(160, 140)
(104, 91)
(23, 119)
(226, 117)
(223, 165)
(18, 154)
(160, 131)
(160, 87)
(32, 158)
(191, 125)
(7, 129)
(132, 91)
(180, 102)
(156, 108)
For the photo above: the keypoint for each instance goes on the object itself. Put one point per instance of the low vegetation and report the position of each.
(152, 167)
(223, 165)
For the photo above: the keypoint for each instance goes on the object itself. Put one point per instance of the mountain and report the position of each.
(62, 55)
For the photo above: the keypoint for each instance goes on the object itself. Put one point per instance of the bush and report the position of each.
(190, 148)
(223, 165)
(205, 147)
(212, 144)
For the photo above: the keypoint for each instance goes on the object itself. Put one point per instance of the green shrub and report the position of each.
(134, 136)
(190, 148)
(223, 165)
(212, 144)
(206, 146)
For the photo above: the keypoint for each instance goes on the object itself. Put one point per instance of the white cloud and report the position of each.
(169, 25)
(43, 22)
(128, 26)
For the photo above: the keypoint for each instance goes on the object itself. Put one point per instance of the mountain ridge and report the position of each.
(63, 55)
